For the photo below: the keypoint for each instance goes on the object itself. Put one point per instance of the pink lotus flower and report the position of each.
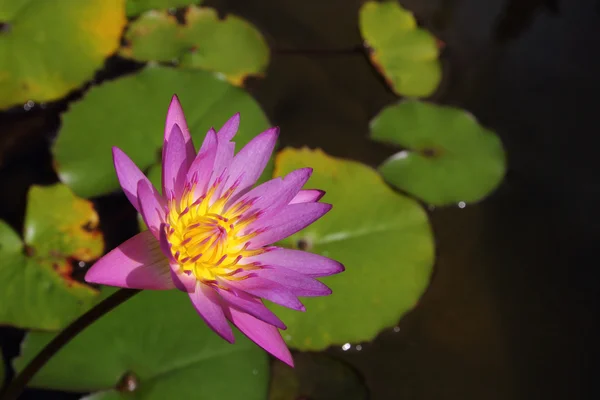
(210, 233)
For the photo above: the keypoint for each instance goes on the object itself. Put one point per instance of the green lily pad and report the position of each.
(450, 157)
(48, 48)
(315, 377)
(157, 343)
(36, 287)
(231, 46)
(135, 7)
(406, 55)
(382, 238)
(130, 113)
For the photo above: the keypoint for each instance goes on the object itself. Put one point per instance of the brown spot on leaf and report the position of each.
(29, 251)
(431, 152)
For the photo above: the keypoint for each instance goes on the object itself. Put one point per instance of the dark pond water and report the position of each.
(511, 308)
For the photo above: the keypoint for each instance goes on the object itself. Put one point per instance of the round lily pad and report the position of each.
(229, 46)
(49, 48)
(135, 7)
(315, 376)
(154, 346)
(449, 156)
(37, 290)
(130, 113)
(406, 55)
(383, 239)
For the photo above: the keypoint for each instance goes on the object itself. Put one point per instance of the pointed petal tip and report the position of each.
(287, 359)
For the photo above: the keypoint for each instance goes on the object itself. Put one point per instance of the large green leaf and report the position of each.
(129, 113)
(406, 55)
(450, 158)
(315, 376)
(135, 7)
(36, 287)
(159, 339)
(230, 46)
(382, 238)
(48, 48)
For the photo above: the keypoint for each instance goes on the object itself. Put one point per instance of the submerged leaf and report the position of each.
(315, 376)
(384, 241)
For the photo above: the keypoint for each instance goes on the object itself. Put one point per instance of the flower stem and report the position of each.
(16, 387)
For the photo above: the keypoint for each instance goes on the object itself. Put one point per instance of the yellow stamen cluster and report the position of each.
(206, 238)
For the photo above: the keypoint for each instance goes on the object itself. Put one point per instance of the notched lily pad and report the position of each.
(135, 7)
(130, 113)
(383, 239)
(448, 158)
(316, 377)
(406, 55)
(49, 48)
(167, 353)
(37, 290)
(231, 46)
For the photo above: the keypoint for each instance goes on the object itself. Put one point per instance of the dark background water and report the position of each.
(511, 308)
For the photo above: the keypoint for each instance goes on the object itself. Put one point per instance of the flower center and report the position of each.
(207, 238)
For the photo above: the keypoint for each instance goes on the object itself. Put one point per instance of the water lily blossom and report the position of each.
(211, 232)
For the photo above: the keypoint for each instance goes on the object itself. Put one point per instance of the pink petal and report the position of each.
(183, 281)
(269, 290)
(288, 221)
(175, 116)
(129, 175)
(164, 244)
(223, 158)
(152, 206)
(248, 304)
(298, 284)
(247, 165)
(137, 263)
(261, 333)
(229, 128)
(275, 194)
(308, 196)
(175, 165)
(202, 167)
(207, 303)
(306, 263)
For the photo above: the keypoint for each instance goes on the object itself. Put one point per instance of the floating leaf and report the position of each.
(315, 377)
(231, 46)
(450, 157)
(407, 56)
(157, 343)
(382, 238)
(135, 7)
(36, 287)
(49, 48)
(130, 113)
